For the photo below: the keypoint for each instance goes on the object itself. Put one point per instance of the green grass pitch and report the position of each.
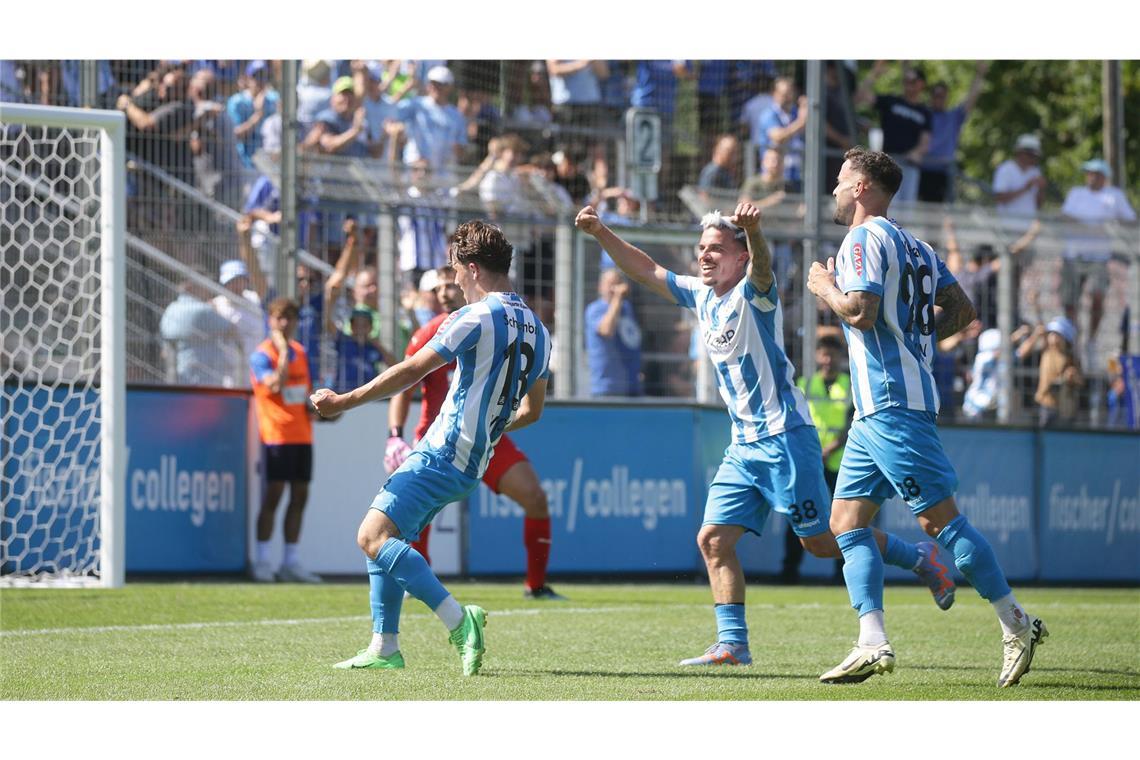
(239, 641)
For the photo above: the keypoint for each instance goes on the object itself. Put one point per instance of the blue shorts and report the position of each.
(896, 452)
(423, 485)
(782, 472)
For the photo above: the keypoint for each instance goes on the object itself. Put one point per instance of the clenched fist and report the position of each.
(588, 221)
(328, 404)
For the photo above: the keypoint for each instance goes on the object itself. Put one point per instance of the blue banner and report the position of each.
(1090, 507)
(622, 488)
(186, 481)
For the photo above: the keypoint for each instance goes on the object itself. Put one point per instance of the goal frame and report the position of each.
(112, 303)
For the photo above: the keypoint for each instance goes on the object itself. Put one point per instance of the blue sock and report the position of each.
(900, 553)
(400, 561)
(387, 597)
(862, 569)
(974, 557)
(730, 625)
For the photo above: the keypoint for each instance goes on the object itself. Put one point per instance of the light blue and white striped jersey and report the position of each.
(743, 333)
(890, 363)
(502, 350)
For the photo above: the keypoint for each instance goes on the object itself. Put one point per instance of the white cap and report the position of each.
(1030, 143)
(440, 75)
(231, 269)
(429, 280)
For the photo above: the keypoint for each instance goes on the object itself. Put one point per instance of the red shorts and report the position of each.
(506, 456)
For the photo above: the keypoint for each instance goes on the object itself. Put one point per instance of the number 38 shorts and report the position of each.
(783, 472)
(892, 452)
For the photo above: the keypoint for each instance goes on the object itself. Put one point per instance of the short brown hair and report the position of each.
(284, 307)
(876, 166)
(482, 243)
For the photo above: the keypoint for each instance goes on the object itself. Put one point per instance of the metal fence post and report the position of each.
(565, 320)
(287, 266)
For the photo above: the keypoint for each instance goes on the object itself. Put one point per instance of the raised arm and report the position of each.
(257, 279)
(976, 85)
(747, 217)
(952, 310)
(392, 380)
(865, 94)
(344, 264)
(633, 261)
(530, 407)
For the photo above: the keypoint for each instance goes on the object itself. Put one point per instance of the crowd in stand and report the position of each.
(540, 136)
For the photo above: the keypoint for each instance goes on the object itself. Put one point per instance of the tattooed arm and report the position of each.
(952, 310)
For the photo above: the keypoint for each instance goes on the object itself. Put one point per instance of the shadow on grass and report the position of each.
(736, 673)
(1036, 669)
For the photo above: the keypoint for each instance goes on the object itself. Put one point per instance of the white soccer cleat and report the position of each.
(297, 574)
(861, 664)
(1019, 649)
(262, 572)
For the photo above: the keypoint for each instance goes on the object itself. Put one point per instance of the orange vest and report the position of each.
(283, 417)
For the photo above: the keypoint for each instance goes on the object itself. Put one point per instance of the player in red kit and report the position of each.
(510, 473)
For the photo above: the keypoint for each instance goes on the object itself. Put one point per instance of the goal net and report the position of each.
(62, 223)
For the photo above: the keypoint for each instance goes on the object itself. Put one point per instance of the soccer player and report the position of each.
(510, 473)
(503, 353)
(896, 298)
(775, 460)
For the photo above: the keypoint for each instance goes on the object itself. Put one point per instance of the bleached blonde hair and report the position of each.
(716, 219)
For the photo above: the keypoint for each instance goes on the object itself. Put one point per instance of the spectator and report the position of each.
(754, 108)
(613, 339)
(500, 190)
(767, 188)
(782, 127)
(161, 120)
(358, 356)
(196, 338)
(985, 391)
(1019, 185)
(426, 305)
(421, 225)
(939, 168)
(569, 174)
(828, 394)
(1060, 379)
(243, 310)
(1088, 246)
(905, 122)
(535, 109)
(248, 108)
(436, 131)
(720, 173)
(839, 126)
(281, 389)
(380, 111)
(342, 129)
(481, 118)
(313, 94)
(216, 161)
(575, 90)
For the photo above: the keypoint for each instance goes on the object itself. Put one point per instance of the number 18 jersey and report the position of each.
(501, 349)
(890, 364)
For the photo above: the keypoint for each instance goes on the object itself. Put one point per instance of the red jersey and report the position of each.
(435, 384)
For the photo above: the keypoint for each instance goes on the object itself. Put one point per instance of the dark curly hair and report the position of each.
(876, 166)
(482, 243)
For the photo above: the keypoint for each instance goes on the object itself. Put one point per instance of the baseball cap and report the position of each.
(440, 75)
(1063, 327)
(254, 67)
(1030, 143)
(1097, 165)
(316, 69)
(231, 269)
(430, 280)
(343, 84)
(362, 313)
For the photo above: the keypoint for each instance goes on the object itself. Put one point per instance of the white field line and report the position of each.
(551, 608)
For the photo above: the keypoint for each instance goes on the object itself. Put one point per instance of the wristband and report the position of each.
(396, 431)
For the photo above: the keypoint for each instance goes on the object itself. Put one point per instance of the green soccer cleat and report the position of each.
(365, 660)
(467, 638)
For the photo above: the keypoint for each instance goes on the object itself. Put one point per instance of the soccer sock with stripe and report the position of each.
(730, 625)
(408, 567)
(975, 558)
(536, 538)
(386, 596)
(862, 569)
(900, 553)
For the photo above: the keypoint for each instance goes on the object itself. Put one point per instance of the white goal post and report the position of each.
(63, 313)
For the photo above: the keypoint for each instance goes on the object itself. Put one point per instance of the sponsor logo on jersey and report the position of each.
(857, 258)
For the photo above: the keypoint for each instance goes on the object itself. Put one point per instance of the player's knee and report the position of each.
(822, 546)
(534, 503)
(711, 542)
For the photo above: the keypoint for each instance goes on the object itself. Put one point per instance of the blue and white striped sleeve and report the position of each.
(684, 289)
(860, 263)
(457, 334)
